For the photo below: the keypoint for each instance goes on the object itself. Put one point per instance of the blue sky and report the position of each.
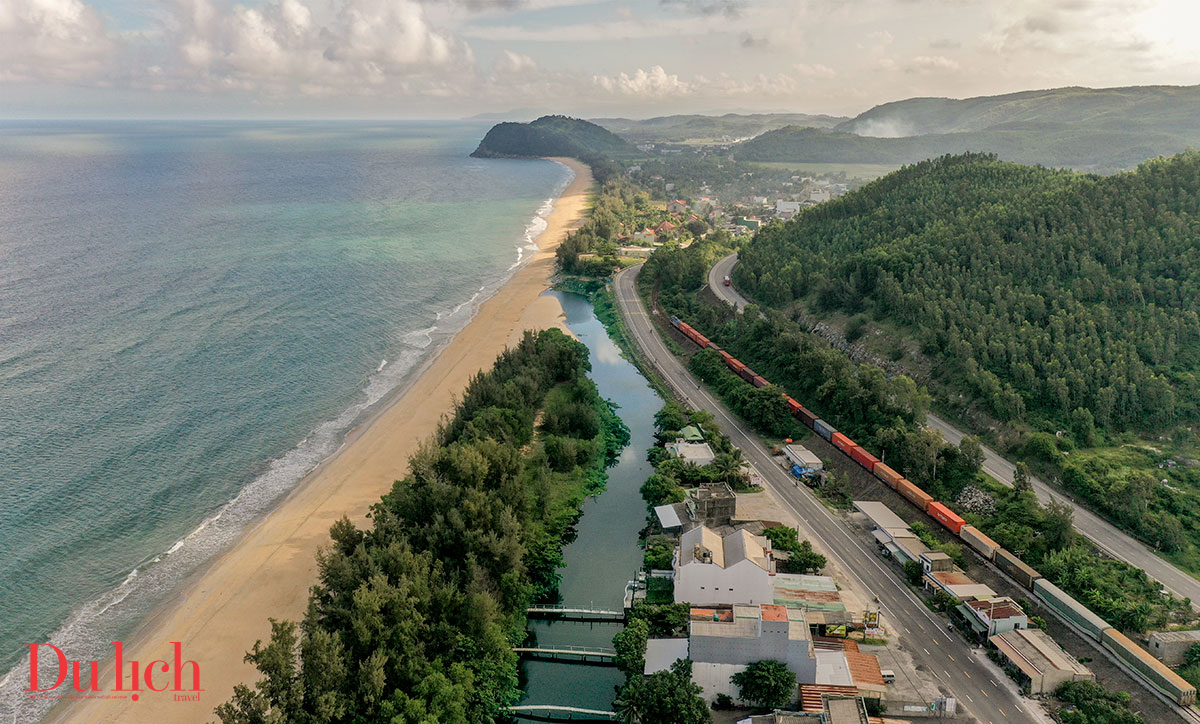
(455, 58)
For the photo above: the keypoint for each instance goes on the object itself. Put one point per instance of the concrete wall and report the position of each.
(708, 583)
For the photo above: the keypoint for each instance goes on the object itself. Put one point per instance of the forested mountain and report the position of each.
(1172, 109)
(1102, 130)
(679, 129)
(553, 136)
(1048, 295)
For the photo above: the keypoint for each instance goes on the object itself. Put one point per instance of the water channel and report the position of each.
(605, 554)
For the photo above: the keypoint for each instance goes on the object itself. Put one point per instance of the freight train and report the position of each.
(1151, 670)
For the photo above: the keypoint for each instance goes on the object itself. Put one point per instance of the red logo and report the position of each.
(85, 675)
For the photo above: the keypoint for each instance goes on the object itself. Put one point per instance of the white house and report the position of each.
(677, 206)
(738, 568)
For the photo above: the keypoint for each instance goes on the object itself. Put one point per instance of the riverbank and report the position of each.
(224, 609)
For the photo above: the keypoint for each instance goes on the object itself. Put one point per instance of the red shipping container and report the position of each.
(841, 442)
(914, 494)
(805, 415)
(945, 516)
(793, 406)
(864, 458)
(758, 381)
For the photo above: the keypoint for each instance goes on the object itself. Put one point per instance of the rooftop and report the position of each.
(703, 545)
(1033, 649)
(1165, 636)
(745, 621)
(881, 515)
(997, 609)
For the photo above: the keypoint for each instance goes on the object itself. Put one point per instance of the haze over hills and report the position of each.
(1102, 130)
(1163, 108)
(693, 127)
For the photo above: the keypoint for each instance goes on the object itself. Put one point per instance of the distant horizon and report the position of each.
(530, 114)
(427, 59)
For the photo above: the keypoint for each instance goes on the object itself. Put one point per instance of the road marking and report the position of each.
(969, 698)
(926, 651)
(981, 691)
(968, 675)
(951, 658)
(994, 683)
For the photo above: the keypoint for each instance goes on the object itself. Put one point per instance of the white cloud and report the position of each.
(511, 63)
(653, 83)
(316, 46)
(815, 70)
(55, 40)
(933, 64)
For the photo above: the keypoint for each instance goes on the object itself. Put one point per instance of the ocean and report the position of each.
(192, 317)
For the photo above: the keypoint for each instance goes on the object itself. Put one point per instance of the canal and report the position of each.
(605, 554)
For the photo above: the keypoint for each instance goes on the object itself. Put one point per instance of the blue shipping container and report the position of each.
(797, 472)
(823, 429)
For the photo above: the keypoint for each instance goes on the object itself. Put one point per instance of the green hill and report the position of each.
(1103, 130)
(552, 136)
(1044, 292)
(1171, 109)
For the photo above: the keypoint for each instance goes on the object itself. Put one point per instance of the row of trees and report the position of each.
(414, 618)
(886, 416)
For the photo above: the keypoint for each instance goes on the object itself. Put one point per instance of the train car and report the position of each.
(915, 495)
(841, 442)
(699, 339)
(1155, 672)
(864, 458)
(713, 346)
(806, 416)
(887, 475)
(980, 542)
(1069, 608)
(823, 429)
(939, 512)
(1018, 569)
(748, 374)
(759, 381)
(675, 322)
(793, 406)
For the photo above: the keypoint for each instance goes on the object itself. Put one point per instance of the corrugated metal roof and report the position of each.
(667, 516)
(661, 653)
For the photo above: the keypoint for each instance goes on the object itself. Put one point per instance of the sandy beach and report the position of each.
(224, 609)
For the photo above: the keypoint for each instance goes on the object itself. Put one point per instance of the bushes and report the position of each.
(1093, 704)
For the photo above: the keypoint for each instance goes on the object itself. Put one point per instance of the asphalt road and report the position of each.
(1104, 535)
(946, 657)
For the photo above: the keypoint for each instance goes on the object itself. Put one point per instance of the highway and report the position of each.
(957, 668)
(1104, 535)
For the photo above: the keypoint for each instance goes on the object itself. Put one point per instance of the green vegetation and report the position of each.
(630, 645)
(768, 684)
(664, 697)
(414, 619)
(1103, 130)
(885, 415)
(556, 136)
(802, 558)
(1061, 303)
(1090, 703)
(927, 537)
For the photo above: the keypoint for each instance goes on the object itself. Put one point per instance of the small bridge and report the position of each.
(553, 713)
(569, 654)
(572, 613)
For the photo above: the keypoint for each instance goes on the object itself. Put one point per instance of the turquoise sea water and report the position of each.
(192, 316)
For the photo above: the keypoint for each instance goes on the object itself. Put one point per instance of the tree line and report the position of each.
(413, 618)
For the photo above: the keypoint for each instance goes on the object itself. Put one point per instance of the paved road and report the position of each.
(946, 657)
(1105, 535)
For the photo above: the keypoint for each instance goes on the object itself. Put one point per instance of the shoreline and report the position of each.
(223, 607)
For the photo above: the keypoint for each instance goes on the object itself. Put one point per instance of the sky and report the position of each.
(591, 58)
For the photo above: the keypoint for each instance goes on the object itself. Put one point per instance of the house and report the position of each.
(936, 561)
(710, 569)
(677, 206)
(957, 584)
(713, 502)
(992, 616)
(1042, 661)
(665, 227)
(891, 533)
(691, 433)
(786, 207)
(697, 453)
(644, 237)
(724, 641)
(1171, 647)
(817, 196)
